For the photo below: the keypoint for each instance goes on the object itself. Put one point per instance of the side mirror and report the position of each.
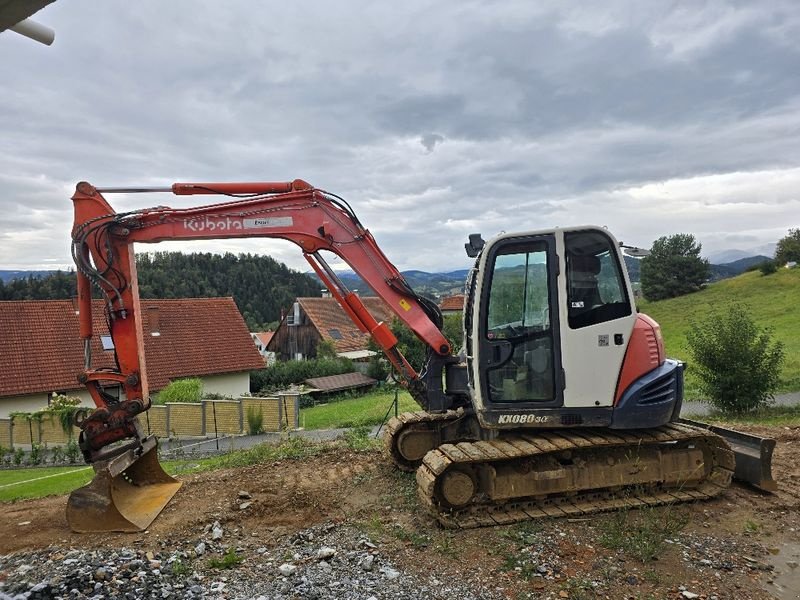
(475, 245)
(634, 251)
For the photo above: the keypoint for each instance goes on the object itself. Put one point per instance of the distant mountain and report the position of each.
(725, 257)
(9, 275)
(737, 267)
(430, 285)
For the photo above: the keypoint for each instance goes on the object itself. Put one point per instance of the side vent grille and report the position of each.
(661, 390)
(652, 347)
(571, 420)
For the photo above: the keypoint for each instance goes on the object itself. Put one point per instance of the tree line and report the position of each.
(260, 285)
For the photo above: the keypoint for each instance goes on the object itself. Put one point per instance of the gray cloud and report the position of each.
(434, 121)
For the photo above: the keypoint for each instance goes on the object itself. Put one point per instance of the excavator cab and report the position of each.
(550, 320)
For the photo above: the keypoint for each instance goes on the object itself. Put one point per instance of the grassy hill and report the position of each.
(774, 301)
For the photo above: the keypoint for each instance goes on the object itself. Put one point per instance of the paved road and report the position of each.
(700, 409)
(226, 443)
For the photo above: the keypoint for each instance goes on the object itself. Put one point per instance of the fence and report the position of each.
(208, 418)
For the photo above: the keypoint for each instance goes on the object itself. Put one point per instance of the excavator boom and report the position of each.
(102, 248)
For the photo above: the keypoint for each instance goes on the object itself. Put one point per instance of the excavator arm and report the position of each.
(128, 475)
(312, 219)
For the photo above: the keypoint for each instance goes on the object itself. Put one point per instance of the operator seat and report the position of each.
(584, 293)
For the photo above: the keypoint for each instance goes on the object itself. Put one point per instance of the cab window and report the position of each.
(596, 290)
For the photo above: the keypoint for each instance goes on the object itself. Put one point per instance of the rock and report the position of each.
(244, 495)
(325, 553)
(689, 595)
(216, 531)
(389, 572)
(200, 549)
(245, 505)
(367, 562)
(287, 569)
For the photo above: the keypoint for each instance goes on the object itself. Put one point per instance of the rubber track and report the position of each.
(524, 445)
(409, 419)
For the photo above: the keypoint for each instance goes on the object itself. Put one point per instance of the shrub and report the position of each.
(62, 401)
(58, 455)
(255, 420)
(737, 362)
(35, 456)
(19, 454)
(181, 390)
(285, 373)
(768, 267)
(72, 451)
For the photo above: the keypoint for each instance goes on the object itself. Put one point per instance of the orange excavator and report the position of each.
(561, 400)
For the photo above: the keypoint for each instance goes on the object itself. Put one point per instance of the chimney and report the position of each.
(152, 319)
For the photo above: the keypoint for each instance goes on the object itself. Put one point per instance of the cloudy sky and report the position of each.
(433, 119)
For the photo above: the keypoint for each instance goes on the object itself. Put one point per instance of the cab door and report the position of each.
(514, 326)
(597, 317)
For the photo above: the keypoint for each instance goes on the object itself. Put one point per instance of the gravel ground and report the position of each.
(319, 563)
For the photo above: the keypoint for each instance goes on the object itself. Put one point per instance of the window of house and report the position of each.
(108, 343)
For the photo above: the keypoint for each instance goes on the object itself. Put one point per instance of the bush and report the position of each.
(72, 451)
(286, 373)
(737, 362)
(181, 390)
(255, 420)
(768, 267)
(35, 457)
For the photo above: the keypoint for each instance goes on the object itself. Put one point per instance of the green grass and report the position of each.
(641, 534)
(365, 410)
(50, 481)
(773, 303)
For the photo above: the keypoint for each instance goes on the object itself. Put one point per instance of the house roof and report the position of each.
(453, 303)
(337, 383)
(264, 337)
(41, 349)
(333, 324)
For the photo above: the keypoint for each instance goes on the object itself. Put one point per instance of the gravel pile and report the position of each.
(318, 563)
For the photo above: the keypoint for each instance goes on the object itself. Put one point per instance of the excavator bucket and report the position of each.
(753, 455)
(126, 494)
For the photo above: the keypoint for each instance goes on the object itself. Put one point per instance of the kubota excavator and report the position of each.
(561, 401)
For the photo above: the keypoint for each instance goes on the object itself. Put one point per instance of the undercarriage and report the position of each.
(529, 474)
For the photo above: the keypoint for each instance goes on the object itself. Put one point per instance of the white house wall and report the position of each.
(34, 402)
(229, 384)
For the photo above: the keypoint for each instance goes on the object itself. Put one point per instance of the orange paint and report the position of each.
(645, 352)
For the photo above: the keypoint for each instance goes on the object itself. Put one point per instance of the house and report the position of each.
(313, 320)
(452, 305)
(41, 350)
(261, 340)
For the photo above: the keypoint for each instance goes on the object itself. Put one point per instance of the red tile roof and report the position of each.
(453, 303)
(264, 337)
(41, 350)
(333, 324)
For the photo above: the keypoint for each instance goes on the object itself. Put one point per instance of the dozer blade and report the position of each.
(753, 455)
(126, 494)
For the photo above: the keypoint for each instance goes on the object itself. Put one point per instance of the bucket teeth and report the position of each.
(126, 494)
